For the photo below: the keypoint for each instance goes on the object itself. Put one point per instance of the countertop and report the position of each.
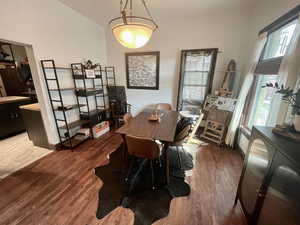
(33, 107)
(10, 99)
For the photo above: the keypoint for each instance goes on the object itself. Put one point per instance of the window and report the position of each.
(261, 102)
(279, 40)
(260, 108)
(196, 78)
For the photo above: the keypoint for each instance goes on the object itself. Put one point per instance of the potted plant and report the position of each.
(292, 98)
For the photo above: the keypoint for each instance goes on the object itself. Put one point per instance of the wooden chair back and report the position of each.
(127, 117)
(142, 147)
(183, 134)
(163, 106)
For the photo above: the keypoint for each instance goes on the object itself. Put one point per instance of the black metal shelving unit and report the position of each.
(110, 75)
(97, 114)
(69, 140)
(103, 95)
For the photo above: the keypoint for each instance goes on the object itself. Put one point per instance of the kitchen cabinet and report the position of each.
(11, 121)
(34, 125)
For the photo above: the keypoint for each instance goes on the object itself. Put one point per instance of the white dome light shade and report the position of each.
(132, 35)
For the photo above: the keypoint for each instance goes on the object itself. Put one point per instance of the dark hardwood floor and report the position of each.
(61, 189)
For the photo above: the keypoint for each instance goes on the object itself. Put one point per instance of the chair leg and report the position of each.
(152, 174)
(130, 168)
(179, 157)
(159, 161)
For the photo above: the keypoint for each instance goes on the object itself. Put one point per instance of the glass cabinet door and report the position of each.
(256, 169)
(282, 201)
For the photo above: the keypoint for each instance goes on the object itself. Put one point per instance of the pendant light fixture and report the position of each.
(132, 31)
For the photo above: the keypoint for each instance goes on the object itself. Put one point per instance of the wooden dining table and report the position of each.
(162, 130)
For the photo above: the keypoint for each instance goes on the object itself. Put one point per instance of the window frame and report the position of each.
(269, 66)
(210, 79)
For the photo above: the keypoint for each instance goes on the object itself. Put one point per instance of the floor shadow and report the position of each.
(148, 205)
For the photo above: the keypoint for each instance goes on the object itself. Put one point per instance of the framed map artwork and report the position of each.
(142, 70)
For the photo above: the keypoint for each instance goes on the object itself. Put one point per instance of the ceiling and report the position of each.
(101, 11)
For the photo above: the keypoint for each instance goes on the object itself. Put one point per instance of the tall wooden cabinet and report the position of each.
(269, 187)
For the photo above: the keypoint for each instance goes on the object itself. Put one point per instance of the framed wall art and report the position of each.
(142, 70)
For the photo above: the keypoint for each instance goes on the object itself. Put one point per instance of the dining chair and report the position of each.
(142, 148)
(127, 117)
(163, 106)
(183, 129)
(118, 109)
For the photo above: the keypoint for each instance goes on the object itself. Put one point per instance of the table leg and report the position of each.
(167, 162)
(125, 152)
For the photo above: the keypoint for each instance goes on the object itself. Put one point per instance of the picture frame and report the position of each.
(142, 70)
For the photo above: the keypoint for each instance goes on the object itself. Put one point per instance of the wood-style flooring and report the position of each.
(61, 189)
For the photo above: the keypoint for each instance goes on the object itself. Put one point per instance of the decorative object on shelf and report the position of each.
(292, 98)
(286, 131)
(142, 70)
(132, 31)
(88, 65)
(100, 129)
(6, 53)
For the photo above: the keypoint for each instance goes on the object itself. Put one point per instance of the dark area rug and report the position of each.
(148, 205)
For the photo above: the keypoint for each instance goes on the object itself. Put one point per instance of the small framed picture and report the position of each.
(142, 70)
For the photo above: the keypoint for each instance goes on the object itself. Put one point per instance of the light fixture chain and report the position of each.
(131, 8)
(125, 6)
(148, 11)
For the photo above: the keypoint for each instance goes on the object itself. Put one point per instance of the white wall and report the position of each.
(264, 13)
(55, 31)
(224, 30)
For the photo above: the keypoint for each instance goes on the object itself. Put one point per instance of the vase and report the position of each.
(297, 123)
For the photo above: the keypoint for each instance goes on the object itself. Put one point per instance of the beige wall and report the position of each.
(224, 30)
(54, 31)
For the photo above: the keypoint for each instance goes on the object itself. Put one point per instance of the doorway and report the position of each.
(15, 73)
(17, 90)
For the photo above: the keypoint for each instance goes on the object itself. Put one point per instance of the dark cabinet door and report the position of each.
(257, 164)
(11, 119)
(281, 204)
(5, 120)
(16, 117)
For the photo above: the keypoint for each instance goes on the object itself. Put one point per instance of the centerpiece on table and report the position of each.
(292, 98)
